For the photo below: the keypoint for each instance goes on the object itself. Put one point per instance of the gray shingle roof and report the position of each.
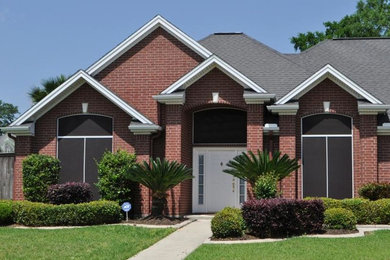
(365, 61)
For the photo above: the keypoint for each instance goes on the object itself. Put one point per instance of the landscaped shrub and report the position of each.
(113, 183)
(283, 217)
(5, 212)
(339, 218)
(375, 191)
(328, 202)
(70, 192)
(228, 223)
(265, 187)
(41, 214)
(379, 211)
(39, 172)
(359, 207)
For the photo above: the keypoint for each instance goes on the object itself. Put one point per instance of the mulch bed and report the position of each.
(157, 221)
(244, 237)
(340, 231)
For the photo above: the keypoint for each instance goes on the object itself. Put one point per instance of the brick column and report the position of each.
(287, 145)
(368, 151)
(23, 147)
(255, 124)
(142, 198)
(173, 152)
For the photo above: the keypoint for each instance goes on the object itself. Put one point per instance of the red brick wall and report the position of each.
(384, 158)
(22, 149)
(147, 69)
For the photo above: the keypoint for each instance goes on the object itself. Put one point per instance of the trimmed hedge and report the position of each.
(5, 212)
(375, 191)
(365, 211)
(339, 218)
(283, 217)
(113, 182)
(70, 192)
(41, 214)
(228, 223)
(265, 187)
(39, 172)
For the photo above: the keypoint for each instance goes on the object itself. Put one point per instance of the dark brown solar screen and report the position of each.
(71, 155)
(84, 125)
(220, 126)
(326, 124)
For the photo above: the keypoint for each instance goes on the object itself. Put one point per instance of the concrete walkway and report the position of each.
(180, 243)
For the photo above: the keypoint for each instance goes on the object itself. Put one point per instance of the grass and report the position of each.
(373, 246)
(97, 242)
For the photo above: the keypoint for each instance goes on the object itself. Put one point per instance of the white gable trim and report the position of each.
(139, 35)
(68, 87)
(328, 72)
(205, 67)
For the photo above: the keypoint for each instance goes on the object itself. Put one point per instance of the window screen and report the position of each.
(84, 125)
(218, 126)
(326, 124)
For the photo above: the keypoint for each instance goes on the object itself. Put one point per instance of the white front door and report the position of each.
(212, 188)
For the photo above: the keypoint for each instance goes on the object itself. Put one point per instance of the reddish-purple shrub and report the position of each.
(283, 217)
(70, 192)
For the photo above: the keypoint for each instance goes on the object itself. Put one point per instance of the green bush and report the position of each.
(39, 172)
(228, 223)
(359, 208)
(379, 212)
(375, 191)
(328, 202)
(339, 218)
(5, 212)
(112, 182)
(41, 214)
(265, 187)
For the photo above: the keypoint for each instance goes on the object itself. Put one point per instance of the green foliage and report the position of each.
(328, 202)
(113, 183)
(339, 218)
(5, 212)
(228, 223)
(39, 172)
(379, 212)
(37, 93)
(371, 19)
(375, 191)
(7, 113)
(40, 214)
(250, 166)
(159, 176)
(265, 187)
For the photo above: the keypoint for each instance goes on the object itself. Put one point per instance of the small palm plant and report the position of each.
(48, 85)
(159, 176)
(250, 166)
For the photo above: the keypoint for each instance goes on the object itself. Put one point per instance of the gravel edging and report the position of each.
(362, 232)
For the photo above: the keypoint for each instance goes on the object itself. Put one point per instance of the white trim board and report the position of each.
(68, 87)
(139, 35)
(328, 72)
(205, 67)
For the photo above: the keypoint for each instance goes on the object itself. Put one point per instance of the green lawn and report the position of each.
(97, 242)
(373, 246)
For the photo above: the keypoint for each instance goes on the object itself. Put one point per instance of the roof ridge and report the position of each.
(361, 38)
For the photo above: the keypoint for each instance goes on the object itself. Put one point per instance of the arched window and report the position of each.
(82, 140)
(220, 126)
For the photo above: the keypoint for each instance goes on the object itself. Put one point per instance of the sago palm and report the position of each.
(249, 166)
(159, 176)
(48, 85)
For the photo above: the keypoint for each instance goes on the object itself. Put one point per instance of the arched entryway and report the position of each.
(82, 140)
(327, 156)
(219, 134)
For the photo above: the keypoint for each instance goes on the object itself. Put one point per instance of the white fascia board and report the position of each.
(372, 109)
(143, 129)
(68, 87)
(285, 109)
(139, 35)
(257, 98)
(384, 129)
(205, 67)
(21, 130)
(171, 99)
(328, 72)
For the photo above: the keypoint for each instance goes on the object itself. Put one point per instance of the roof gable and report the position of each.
(205, 67)
(328, 72)
(139, 35)
(68, 87)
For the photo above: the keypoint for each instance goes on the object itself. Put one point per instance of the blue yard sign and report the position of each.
(126, 207)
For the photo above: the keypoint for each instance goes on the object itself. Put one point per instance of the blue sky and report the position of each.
(41, 39)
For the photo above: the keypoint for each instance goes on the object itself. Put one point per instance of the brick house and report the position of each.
(160, 93)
